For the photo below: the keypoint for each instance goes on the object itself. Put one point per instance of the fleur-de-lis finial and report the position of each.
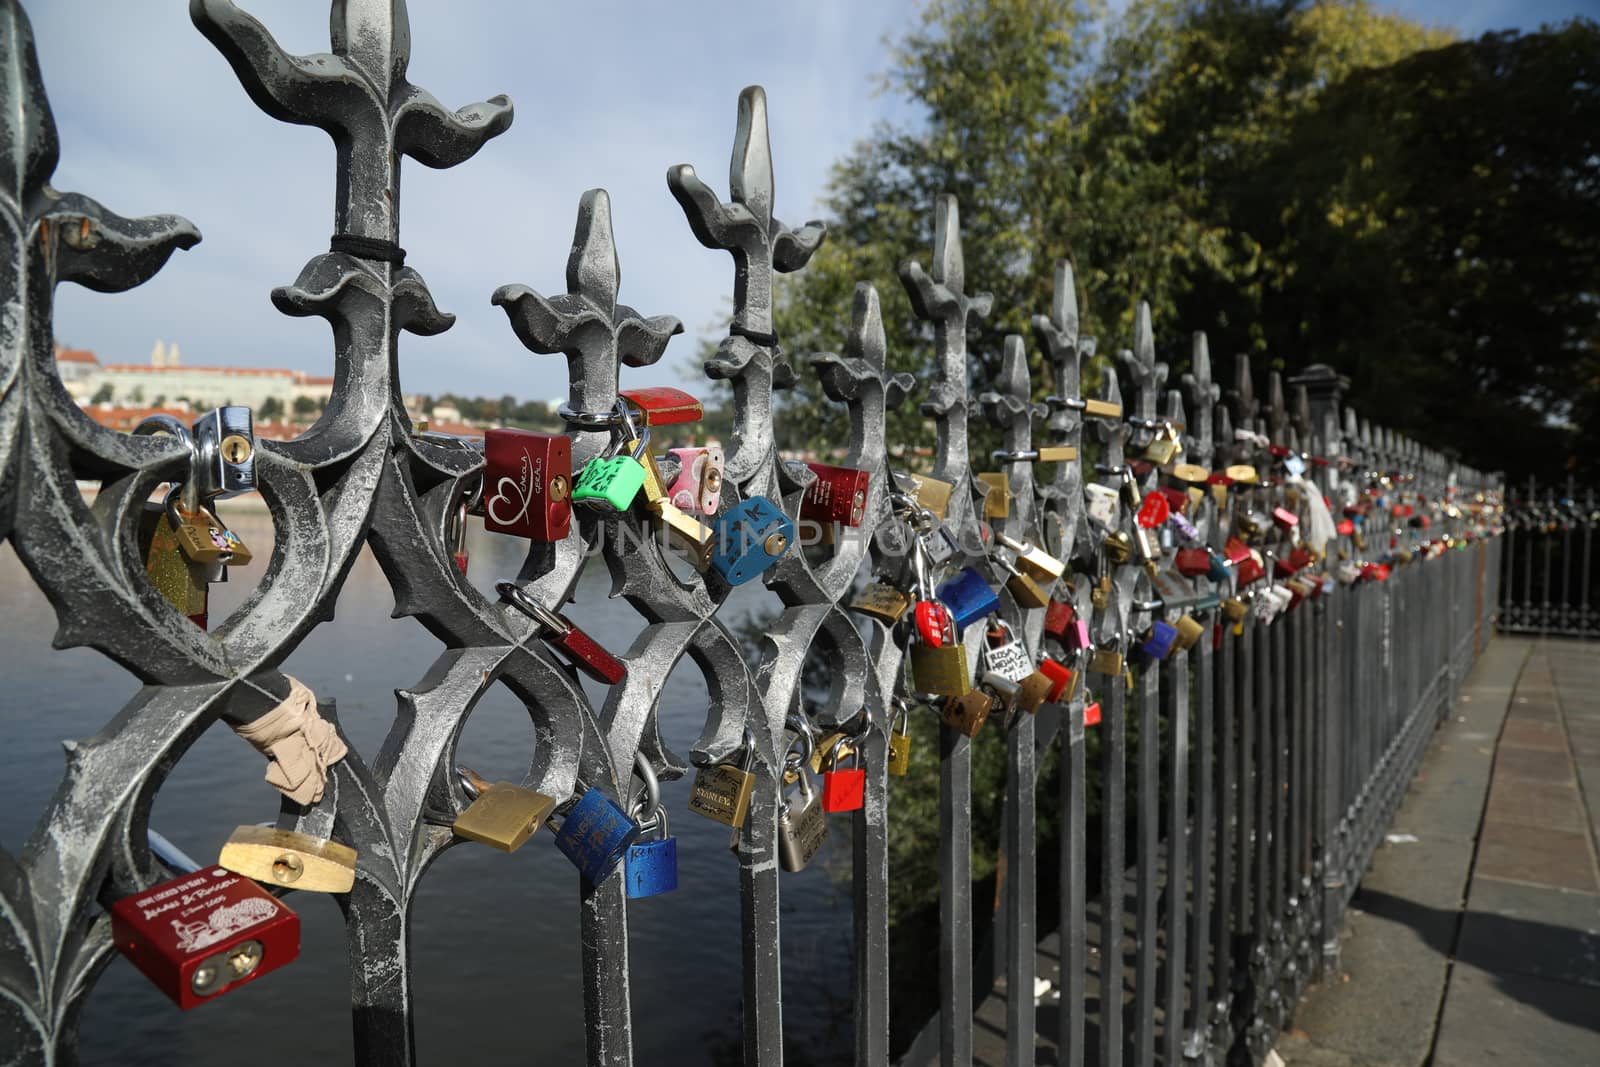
(1011, 409)
(1203, 396)
(942, 299)
(1113, 433)
(857, 378)
(1148, 375)
(360, 95)
(1065, 352)
(1277, 413)
(745, 227)
(586, 322)
(1243, 398)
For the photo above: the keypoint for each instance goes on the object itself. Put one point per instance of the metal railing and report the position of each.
(1548, 561)
(1286, 736)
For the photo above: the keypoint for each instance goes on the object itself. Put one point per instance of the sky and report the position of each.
(607, 94)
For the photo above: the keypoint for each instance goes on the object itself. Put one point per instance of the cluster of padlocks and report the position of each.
(978, 596)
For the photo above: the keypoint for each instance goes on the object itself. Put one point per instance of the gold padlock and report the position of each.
(1106, 661)
(1165, 447)
(1025, 591)
(687, 532)
(722, 792)
(1036, 561)
(824, 750)
(1119, 546)
(1031, 692)
(1100, 593)
(182, 583)
(654, 489)
(967, 713)
(941, 671)
(930, 493)
(1191, 473)
(1057, 454)
(997, 500)
(1242, 474)
(900, 743)
(1102, 409)
(286, 857)
(1190, 630)
(882, 601)
(1235, 609)
(503, 815)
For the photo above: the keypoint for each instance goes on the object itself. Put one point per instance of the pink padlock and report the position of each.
(698, 488)
(1078, 634)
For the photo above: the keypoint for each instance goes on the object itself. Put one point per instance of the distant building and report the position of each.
(165, 380)
(75, 365)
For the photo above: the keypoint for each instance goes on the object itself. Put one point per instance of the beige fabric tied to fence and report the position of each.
(299, 744)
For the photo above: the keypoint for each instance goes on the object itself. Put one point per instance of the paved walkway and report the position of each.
(1478, 942)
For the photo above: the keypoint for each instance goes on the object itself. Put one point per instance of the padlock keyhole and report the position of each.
(288, 868)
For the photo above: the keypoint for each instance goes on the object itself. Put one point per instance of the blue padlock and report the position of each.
(748, 538)
(1219, 567)
(652, 866)
(596, 835)
(969, 598)
(1158, 645)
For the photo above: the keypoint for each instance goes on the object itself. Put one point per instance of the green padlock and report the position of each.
(610, 483)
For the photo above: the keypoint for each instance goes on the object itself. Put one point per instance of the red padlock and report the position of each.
(934, 624)
(1251, 569)
(843, 790)
(838, 495)
(1177, 499)
(527, 484)
(1060, 677)
(1058, 617)
(559, 632)
(1153, 511)
(1346, 528)
(1193, 562)
(1284, 519)
(1235, 551)
(204, 933)
(1091, 714)
(662, 405)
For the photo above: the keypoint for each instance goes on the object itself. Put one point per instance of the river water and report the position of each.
(494, 938)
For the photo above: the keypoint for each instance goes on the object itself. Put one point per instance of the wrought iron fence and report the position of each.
(1292, 691)
(1548, 555)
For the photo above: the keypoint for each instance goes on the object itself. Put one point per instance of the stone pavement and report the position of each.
(1475, 937)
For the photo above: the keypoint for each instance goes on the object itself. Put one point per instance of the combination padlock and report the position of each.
(802, 825)
(290, 858)
(968, 597)
(595, 835)
(899, 763)
(501, 815)
(722, 791)
(698, 487)
(968, 712)
(838, 495)
(562, 635)
(748, 538)
(843, 788)
(651, 867)
(527, 484)
(204, 933)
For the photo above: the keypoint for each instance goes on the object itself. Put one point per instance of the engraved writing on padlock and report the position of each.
(838, 495)
(722, 792)
(204, 933)
(749, 537)
(651, 867)
(595, 835)
(968, 712)
(527, 484)
(287, 857)
(179, 581)
(609, 484)
(698, 487)
(802, 826)
(1006, 657)
(882, 601)
(968, 597)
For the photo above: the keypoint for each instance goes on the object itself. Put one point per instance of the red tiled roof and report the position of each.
(75, 355)
(245, 372)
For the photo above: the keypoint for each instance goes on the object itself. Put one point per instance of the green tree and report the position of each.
(271, 408)
(304, 406)
(103, 394)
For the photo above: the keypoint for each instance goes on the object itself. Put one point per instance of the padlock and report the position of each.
(1132, 496)
(1118, 547)
(1100, 592)
(662, 405)
(934, 624)
(1165, 447)
(1036, 561)
(1242, 474)
(203, 539)
(802, 825)
(1032, 692)
(595, 835)
(687, 533)
(969, 598)
(1004, 656)
(1060, 676)
(1190, 630)
(843, 788)
(882, 601)
(1235, 609)
(203, 933)
(1177, 499)
(722, 791)
(574, 645)
(997, 496)
(1286, 521)
(609, 483)
(1148, 545)
(527, 484)
(224, 456)
(1250, 569)
(929, 493)
(1058, 617)
(501, 815)
(822, 750)
(1106, 661)
(1153, 512)
(1190, 473)
(698, 487)
(941, 671)
(1024, 590)
(1101, 503)
(968, 712)
(287, 857)
(900, 740)
(1091, 714)
(1184, 528)
(1078, 635)
(654, 487)
(651, 867)
(748, 538)
(1192, 562)
(180, 582)
(837, 495)
(1158, 641)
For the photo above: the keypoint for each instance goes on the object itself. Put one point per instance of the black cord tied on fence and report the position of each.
(353, 244)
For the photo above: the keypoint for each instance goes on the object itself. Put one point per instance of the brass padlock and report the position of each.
(502, 815)
(654, 489)
(930, 493)
(1102, 409)
(941, 671)
(686, 531)
(1191, 473)
(1032, 691)
(968, 712)
(182, 583)
(997, 500)
(204, 540)
(1036, 561)
(1235, 609)
(286, 857)
(1165, 447)
(1106, 661)
(882, 601)
(1056, 454)
(1118, 546)
(900, 742)
(824, 750)
(1100, 593)
(1242, 474)
(722, 792)
(1190, 630)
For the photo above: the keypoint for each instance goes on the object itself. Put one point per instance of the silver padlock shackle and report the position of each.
(162, 423)
(647, 810)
